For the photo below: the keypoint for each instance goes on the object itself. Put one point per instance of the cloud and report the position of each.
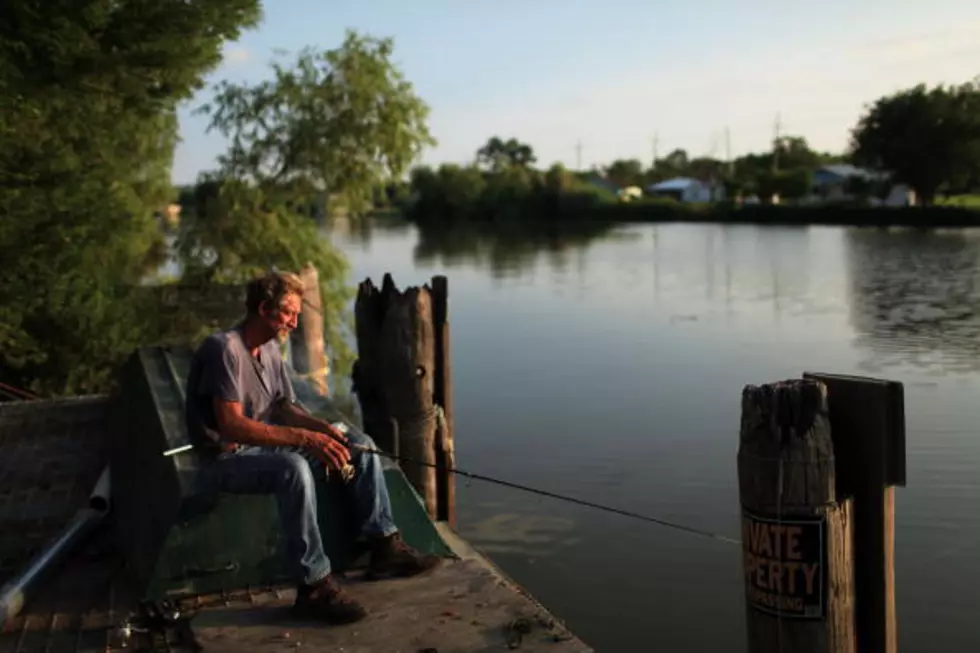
(235, 55)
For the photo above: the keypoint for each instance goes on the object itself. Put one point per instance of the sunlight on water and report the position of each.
(609, 365)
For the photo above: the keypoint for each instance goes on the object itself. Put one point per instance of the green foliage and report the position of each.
(459, 201)
(498, 154)
(335, 121)
(240, 231)
(625, 172)
(87, 128)
(926, 138)
(789, 184)
(455, 193)
(337, 125)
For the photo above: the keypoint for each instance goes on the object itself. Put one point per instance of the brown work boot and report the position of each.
(326, 601)
(390, 556)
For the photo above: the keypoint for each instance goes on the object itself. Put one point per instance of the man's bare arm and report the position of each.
(292, 415)
(234, 426)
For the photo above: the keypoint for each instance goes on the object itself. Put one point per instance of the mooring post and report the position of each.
(443, 392)
(796, 531)
(307, 347)
(369, 315)
(395, 375)
(867, 418)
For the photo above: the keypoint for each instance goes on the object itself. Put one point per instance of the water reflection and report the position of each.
(534, 536)
(510, 250)
(914, 296)
(360, 231)
(733, 269)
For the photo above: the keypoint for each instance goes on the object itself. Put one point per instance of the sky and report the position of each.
(592, 81)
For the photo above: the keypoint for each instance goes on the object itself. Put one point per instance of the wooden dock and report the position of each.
(467, 605)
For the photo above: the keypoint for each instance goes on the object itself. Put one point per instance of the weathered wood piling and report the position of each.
(307, 346)
(795, 533)
(818, 458)
(867, 418)
(402, 378)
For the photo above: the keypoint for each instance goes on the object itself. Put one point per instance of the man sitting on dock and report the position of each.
(242, 414)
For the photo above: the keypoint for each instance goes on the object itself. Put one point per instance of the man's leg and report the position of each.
(370, 492)
(390, 556)
(287, 475)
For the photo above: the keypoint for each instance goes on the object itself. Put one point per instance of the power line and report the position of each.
(553, 495)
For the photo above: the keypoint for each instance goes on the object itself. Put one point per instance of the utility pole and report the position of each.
(656, 148)
(775, 142)
(728, 150)
(578, 156)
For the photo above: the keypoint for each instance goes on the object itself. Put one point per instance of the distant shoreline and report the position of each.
(922, 217)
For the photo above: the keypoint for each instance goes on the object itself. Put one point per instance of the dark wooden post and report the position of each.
(369, 314)
(309, 357)
(868, 427)
(443, 391)
(796, 534)
(394, 378)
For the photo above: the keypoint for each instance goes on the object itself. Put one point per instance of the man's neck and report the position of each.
(254, 336)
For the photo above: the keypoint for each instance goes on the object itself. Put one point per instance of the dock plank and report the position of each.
(463, 606)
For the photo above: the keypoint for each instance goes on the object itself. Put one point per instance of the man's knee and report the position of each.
(362, 458)
(296, 472)
(364, 440)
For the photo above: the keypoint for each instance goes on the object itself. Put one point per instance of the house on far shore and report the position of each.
(836, 183)
(687, 189)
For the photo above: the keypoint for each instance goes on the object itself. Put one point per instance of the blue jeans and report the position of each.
(291, 474)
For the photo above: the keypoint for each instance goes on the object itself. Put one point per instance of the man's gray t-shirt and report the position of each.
(223, 367)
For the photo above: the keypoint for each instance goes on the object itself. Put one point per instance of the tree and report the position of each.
(793, 153)
(675, 164)
(333, 124)
(926, 138)
(625, 172)
(337, 121)
(498, 154)
(88, 91)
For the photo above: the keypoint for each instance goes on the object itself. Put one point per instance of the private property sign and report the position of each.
(784, 562)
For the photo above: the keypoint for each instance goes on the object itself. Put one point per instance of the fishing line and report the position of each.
(553, 495)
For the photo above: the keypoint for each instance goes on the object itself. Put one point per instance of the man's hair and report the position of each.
(271, 288)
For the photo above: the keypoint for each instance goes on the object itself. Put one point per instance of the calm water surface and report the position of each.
(612, 370)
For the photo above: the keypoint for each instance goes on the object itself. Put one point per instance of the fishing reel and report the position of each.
(347, 471)
(157, 626)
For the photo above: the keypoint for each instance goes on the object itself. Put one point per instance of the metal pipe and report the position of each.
(12, 593)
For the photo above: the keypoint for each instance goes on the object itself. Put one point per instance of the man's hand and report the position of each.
(328, 450)
(336, 434)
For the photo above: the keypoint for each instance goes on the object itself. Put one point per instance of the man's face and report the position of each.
(284, 318)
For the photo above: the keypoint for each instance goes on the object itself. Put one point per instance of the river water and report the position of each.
(611, 368)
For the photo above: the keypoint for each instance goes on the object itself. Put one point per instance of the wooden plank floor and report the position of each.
(467, 605)
(463, 606)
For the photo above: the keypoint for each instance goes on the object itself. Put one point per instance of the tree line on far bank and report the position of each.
(925, 138)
